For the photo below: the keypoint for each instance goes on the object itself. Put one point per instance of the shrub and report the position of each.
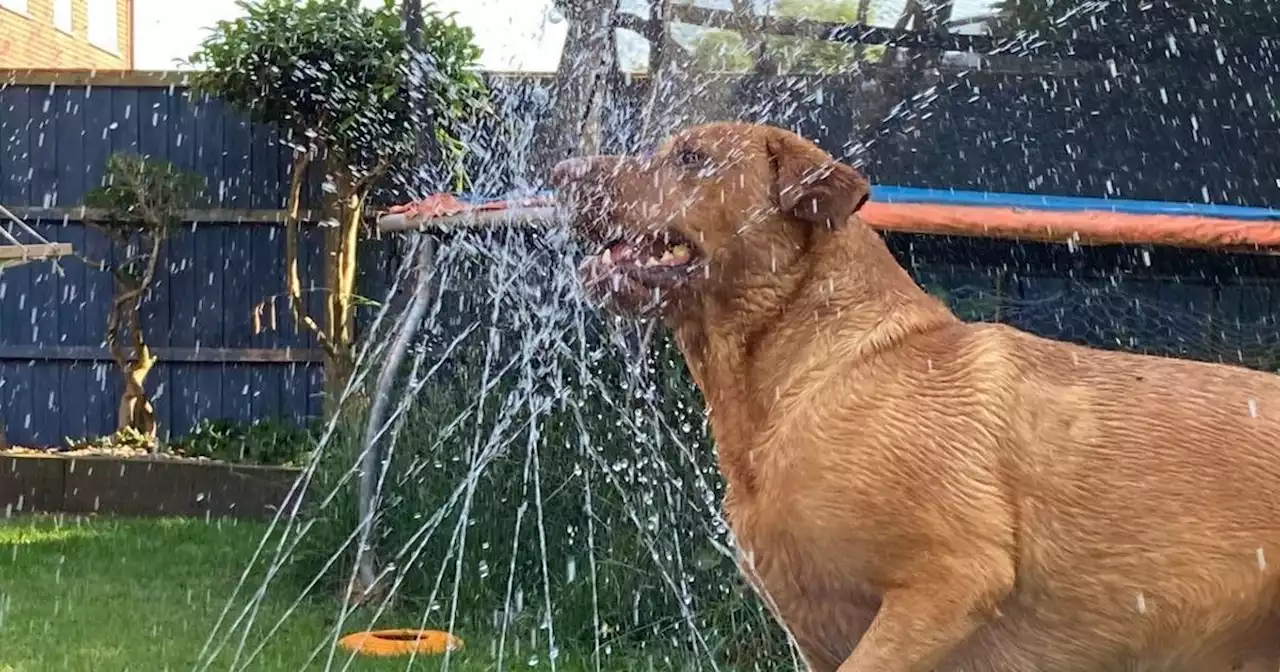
(542, 485)
(127, 440)
(142, 199)
(337, 79)
(270, 442)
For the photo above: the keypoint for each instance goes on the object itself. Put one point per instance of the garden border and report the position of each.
(130, 486)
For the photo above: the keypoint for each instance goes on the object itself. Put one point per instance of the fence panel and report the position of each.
(226, 338)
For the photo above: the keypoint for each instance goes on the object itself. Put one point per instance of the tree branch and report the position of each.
(292, 277)
(157, 239)
(113, 339)
(923, 39)
(751, 28)
(372, 176)
(102, 265)
(633, 23)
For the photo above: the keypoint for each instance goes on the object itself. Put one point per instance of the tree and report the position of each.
(336, 79)
(143, 200)
(722, 51)
(729, 51)
(581, 85)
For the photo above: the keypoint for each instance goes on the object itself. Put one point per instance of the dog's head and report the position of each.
(716, 210)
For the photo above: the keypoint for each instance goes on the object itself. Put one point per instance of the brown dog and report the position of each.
(914, 493)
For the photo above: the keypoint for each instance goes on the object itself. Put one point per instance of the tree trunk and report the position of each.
(658, 34)
(754, 39)
(135, 410)
(863, 16)
(588, 59)
(337, 335)
(412, 12)
(341, 245)
(658, 117)
(334, 358)
(292, 234)
(904, 73)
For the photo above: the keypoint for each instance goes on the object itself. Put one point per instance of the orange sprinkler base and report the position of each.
(400, 642)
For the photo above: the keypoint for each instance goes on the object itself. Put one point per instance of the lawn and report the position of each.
(102, 594)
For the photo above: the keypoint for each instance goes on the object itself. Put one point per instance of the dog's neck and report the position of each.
(839, 295)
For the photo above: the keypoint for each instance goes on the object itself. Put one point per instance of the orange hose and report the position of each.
(1085, 227)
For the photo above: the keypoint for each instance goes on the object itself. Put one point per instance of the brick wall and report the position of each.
(31, 40)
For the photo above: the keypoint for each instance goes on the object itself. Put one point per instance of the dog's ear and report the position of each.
(812, 186)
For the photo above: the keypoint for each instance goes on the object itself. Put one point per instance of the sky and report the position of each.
(515, 35)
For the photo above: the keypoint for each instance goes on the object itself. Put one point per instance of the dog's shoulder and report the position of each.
(968, 354)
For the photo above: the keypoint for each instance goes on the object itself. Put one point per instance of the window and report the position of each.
(62, 15)
(19, 6)
(102, 25)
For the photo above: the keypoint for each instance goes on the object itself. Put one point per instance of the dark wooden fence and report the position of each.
(216, 359)
(1163, 135)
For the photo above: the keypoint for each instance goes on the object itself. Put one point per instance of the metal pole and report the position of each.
(371, 458)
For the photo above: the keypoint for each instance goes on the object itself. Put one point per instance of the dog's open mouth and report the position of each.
(653, 261)
(652, 253)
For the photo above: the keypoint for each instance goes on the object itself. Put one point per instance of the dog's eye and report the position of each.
(691, 159)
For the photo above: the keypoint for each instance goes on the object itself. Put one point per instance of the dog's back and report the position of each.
(1142, 493)
(1146, 500)
(1136, 494)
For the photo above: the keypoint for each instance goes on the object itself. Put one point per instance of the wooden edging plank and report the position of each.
(90, 353)
(111, 485)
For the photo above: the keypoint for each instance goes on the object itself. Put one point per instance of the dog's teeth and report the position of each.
(679, 252)
(651, 262)
(607, 257)
(667, 257)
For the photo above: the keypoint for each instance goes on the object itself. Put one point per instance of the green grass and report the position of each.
(600, 489)
(100, 594)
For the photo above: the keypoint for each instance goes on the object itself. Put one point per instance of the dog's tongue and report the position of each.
(623, 252)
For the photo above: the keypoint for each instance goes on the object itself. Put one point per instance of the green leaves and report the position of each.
(722, 51)
(273, 442)
(143, 195)
(336, 77)
(727, 51)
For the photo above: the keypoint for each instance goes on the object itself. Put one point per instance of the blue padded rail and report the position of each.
(918, 195)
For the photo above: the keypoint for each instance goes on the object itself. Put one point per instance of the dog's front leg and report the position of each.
(919, 625)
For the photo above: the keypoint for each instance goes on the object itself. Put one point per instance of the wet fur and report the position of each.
(915, 493)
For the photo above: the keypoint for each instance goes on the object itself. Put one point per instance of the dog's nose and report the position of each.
(569, 171)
